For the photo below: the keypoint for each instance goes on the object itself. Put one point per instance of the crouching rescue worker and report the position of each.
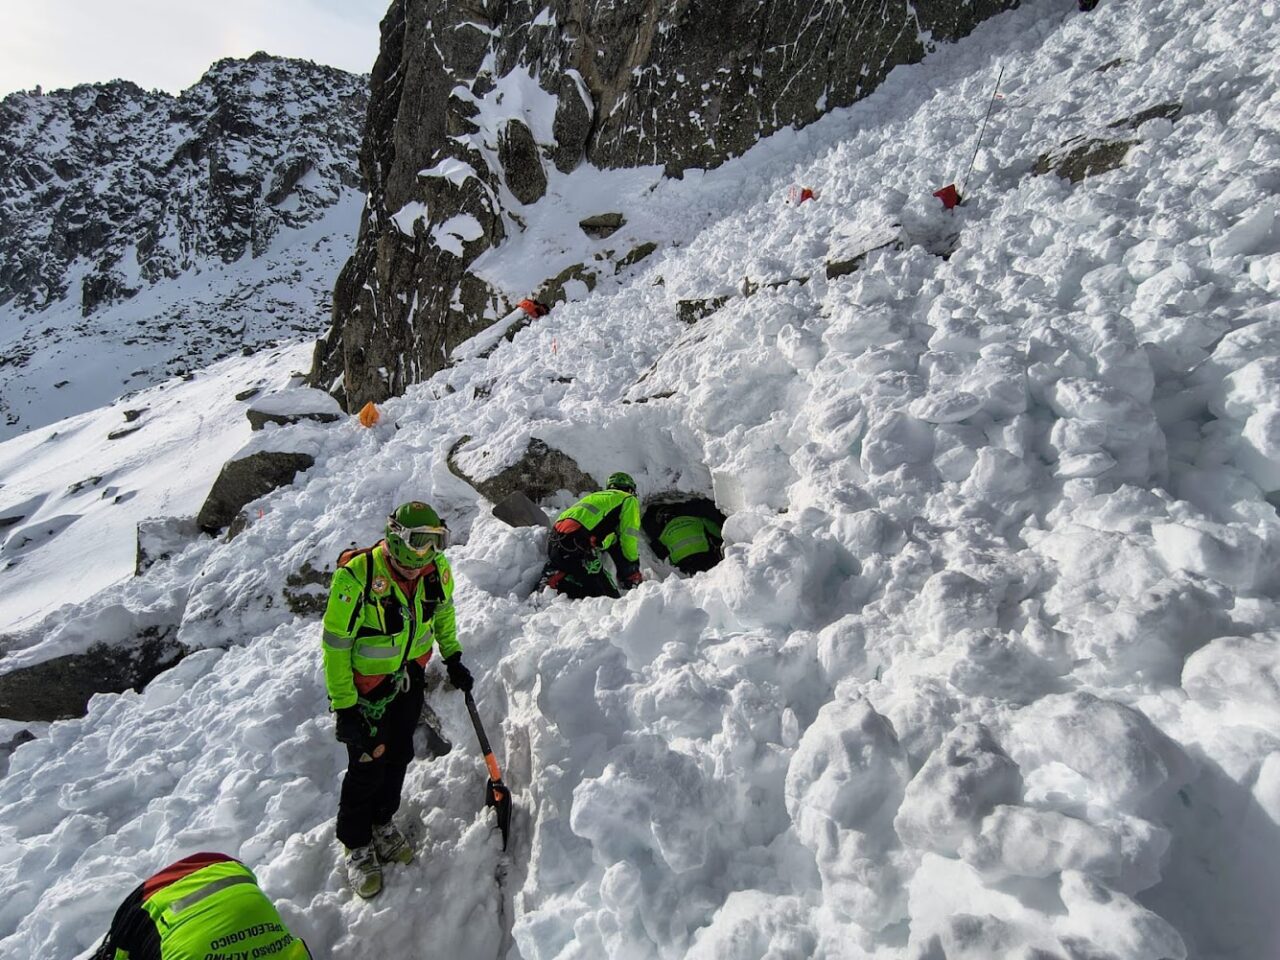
(207, 905)
(606, 521)
(388, 605)
(686, 534)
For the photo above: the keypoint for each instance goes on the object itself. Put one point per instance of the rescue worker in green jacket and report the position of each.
(388, 606)
(204, 907)
(606, 521)
(687, 533)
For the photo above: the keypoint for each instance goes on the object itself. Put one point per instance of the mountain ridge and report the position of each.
(109, 192)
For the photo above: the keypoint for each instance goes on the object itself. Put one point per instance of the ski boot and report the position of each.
(364, 873)
(391, 845)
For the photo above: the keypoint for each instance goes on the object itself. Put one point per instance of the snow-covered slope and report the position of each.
(990, 668)
(144, 235)
(74, 492)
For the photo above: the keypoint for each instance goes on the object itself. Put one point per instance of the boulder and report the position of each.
(691, 311)
(1079, 158)
(306, 591)
(1161, 111)
(849, 253)
(521, 162)
(540, 472)
(293, 406)
(559, 290)
(635, 256)
(602, 225)
(246, 479)
(59, 689)
(159, 538)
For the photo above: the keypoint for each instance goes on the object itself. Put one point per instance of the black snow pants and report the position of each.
(371, 788)
(574, 567)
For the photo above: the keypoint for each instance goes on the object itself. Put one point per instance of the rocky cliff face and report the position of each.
(106, 188)
(476, 105)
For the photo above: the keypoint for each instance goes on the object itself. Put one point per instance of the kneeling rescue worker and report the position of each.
(388, 605)
(205, 906)
(688, 535)
(608, 520)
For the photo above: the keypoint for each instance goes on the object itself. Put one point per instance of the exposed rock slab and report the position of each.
(60, 688)
(293, 406)
(540, 472)
(244, 480)
(602, 225)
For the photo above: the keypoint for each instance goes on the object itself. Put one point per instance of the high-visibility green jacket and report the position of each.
(205, 907)
(684, 536)
(611, 516)
(374, 634)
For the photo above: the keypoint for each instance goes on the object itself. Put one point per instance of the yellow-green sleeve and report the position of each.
(629, 529)
(340, 620)
(444, 621)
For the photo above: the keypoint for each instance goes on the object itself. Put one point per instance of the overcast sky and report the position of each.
(170, 43)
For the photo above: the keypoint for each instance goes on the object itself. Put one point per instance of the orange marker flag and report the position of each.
(369, 415)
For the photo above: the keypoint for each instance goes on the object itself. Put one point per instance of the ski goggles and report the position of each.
(421, 540)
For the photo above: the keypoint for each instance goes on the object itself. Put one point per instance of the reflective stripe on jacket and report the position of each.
(370, 635)
(207, 905)
(607, 514)
(685, 536)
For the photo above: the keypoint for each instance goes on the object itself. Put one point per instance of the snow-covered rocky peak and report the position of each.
(132, 187)
(164, 219)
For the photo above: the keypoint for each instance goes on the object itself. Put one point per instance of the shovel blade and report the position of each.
(497, 795)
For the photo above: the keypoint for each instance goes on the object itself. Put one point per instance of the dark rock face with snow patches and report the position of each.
(473, 107)
(113, 188)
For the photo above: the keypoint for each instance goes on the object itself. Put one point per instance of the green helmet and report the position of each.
(414, 534)
(622, 481)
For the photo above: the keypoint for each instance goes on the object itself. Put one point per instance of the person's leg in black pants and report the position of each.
(371, 789)
(398, 722)
(566, 570)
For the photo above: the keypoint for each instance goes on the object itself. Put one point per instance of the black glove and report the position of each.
(459, 675)
(631, 581)
(350, 727)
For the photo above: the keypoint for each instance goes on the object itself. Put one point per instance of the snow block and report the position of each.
(952, 601)
(1228, 554)
(963, 780)
(1078, 752)
(751, 925)
(649, 801)
(1248, 234)
(843, 787)
(1017, 841)
(1238, 677)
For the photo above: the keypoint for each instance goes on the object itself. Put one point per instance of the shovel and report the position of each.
(496, 794)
